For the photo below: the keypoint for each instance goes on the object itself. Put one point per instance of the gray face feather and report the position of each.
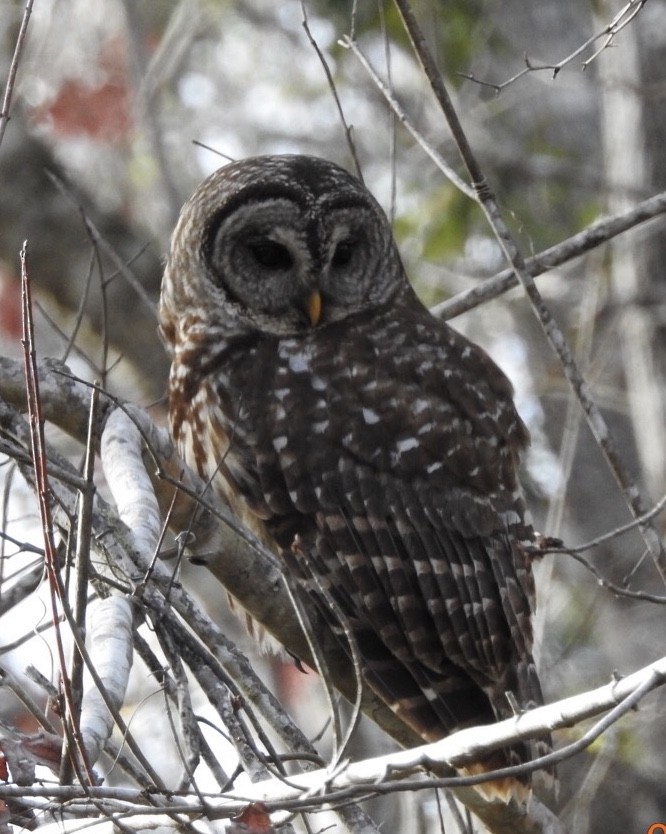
(261, 235)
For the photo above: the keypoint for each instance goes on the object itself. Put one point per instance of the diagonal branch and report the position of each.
(13, 69)
(551, 329)
(579, 244)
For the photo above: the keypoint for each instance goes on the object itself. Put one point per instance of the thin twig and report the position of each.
(615, 532)
(147, 110)
(404, 119)
(103, 244)
(331, 83)
(392, 125)
(83, 538)
(23, 694)
(187, 740)
(341, 742)
(621, 19)
(611, 586)
(13, 69)
(39, 457)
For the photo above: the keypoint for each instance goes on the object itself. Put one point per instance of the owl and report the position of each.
(374, 446)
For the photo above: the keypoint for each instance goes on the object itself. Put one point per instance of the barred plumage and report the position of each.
(377, 446)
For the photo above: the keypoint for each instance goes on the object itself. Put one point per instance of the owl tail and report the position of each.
(525, 694)
(434, 719)
(531, 696)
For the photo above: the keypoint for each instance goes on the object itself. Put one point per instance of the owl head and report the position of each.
(279, 244)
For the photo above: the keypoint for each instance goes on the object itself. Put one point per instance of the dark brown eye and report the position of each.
(271, 255)
(343, 252)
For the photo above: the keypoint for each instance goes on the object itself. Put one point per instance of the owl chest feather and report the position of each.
(412, 406)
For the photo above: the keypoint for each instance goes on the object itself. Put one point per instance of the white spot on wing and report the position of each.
(433, 467)
(279, 443)
(407, 444)
(370, 416)
(298, 363)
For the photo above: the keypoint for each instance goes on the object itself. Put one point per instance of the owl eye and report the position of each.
(271, 255)
(343, 252)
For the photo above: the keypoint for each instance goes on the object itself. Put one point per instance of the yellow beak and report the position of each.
(314, 308)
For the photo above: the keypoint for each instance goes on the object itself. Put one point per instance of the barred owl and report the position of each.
(377, 446)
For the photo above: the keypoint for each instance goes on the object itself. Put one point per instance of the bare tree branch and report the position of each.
(13, 69)
(404, 119)
(386, 773)
(579, 244)
(551, 329)
(347, 128)
(622, 18)
(395, 771)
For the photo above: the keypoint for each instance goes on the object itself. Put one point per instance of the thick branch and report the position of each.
(388, 773)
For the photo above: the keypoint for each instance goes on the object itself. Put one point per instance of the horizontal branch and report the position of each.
(381, 774)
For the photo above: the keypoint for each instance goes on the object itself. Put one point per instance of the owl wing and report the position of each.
(387, 452)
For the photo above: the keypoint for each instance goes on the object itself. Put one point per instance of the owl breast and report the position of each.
(282, 412)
